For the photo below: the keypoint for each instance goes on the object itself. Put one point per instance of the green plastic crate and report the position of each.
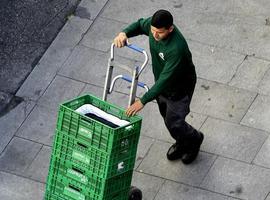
(62, 185)
(85, 179)
(91, 159)
(96, 134)
(122, 195)
(89, 153)
(127, 149)
(50, 196)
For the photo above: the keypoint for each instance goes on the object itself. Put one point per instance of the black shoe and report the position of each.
(175, 152)
(192, 154)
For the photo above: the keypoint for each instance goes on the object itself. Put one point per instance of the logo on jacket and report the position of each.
(161, 55)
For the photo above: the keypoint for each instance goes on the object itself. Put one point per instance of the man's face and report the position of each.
(160, 33)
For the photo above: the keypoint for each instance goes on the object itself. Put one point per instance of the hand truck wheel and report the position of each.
(134, 193)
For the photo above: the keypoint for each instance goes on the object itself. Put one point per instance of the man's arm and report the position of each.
(159, 86)
(142, 26)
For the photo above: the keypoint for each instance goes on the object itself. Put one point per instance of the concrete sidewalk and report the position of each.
(230, 43)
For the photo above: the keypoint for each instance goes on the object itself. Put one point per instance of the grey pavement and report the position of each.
(230, 43)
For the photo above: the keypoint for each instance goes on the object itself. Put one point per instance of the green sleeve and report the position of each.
(142, 26)
(164, 79)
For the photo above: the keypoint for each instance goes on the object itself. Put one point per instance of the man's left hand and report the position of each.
(134, 108)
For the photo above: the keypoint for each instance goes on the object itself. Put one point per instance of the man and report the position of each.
(175, 80)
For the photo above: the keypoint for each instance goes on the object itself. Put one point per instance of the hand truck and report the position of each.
(134, 193)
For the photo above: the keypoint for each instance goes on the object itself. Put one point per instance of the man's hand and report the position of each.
(134, 108)
(120, 40)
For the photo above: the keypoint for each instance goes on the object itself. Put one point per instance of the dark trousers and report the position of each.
(174, 112)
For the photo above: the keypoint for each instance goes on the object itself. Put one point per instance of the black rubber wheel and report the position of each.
(135, 193)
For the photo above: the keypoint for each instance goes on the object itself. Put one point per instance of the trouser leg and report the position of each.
(174, 113)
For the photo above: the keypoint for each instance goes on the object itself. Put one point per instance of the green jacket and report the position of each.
(172, 64)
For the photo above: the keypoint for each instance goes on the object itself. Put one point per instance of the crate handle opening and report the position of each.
(82, 145)
(74, 188)
(77, 170)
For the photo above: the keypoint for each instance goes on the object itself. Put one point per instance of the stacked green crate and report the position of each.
(90, 160)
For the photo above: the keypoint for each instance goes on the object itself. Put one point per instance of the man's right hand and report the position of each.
(120, 40)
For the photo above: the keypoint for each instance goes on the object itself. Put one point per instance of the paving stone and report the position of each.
(13, 187)
(258, 114)
(90, 9)
(263, 156)
(60, 90)
(105, 29)
(18, 155)
(156, 163)
(232, 7)
(39, 126)
(221, 101)
(250, 74)
(115, 98)
(237, 179)
(213, 63)
(53, 59)
(232, 140)
(93, 90)
(149, 185)
(90, 66)
(11, 121)
(196, 120)
(83, 59)
(38, 170)
(66, 40)
(236, 32)
(86, 65)
(143, 147)
(175, 191)
(268, 197)
(264, 86)
(114, 9)
(153, 125)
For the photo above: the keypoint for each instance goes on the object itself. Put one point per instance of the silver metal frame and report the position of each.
(109, 83)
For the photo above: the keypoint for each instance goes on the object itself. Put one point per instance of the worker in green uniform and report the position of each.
(175, 80)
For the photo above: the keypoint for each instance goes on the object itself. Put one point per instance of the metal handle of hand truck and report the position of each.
(135, 73)
(128, 79)
(135, 48)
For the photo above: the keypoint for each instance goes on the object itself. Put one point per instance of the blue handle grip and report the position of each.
(135, 48)
(127, 78)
